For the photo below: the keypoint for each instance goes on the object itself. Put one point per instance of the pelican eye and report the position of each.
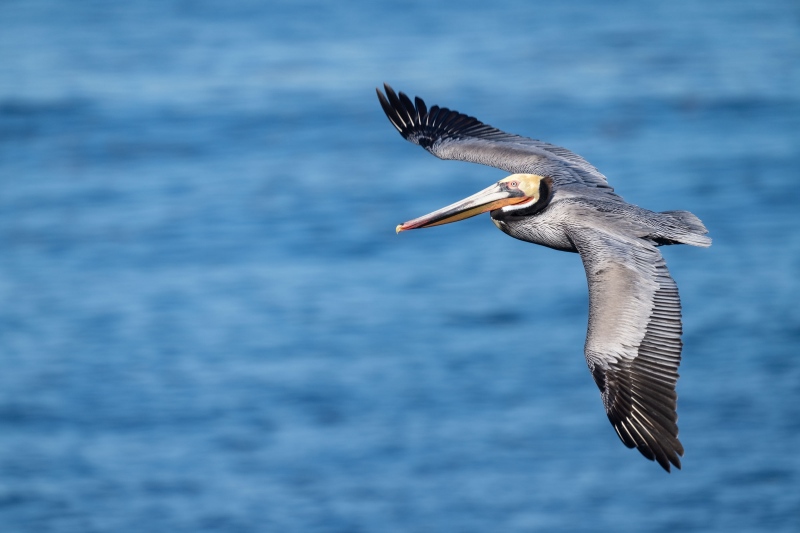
(513, 184)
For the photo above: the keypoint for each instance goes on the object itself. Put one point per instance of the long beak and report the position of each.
(493, 197)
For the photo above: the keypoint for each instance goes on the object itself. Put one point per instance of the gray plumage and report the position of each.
(633, 343)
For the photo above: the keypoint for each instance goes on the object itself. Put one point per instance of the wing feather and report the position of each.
(449, 134)
(633, 343)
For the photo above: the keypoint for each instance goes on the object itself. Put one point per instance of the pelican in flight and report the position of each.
(555, 198)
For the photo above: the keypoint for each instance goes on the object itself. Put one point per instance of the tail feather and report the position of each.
(683, 227)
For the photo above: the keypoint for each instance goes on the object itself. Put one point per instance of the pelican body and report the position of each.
(555, 198)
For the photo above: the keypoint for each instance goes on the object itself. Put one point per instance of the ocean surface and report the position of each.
(208, 324)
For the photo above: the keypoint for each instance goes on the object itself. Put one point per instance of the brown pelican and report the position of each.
(555, 198)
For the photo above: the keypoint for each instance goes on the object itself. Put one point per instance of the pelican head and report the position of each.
(515, 193)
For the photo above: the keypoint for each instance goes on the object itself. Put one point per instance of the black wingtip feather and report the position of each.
(646, 422)
(427, 127)
(422, 110)
(418, 124)
(387, 108)
(412, 119)
(408, 105)
(394, 101)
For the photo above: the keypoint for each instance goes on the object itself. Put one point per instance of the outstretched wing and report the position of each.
(452, 135)
(633, 344)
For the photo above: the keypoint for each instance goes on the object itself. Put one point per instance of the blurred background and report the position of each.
(209, 324)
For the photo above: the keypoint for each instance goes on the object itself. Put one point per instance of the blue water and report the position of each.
(208, 323)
